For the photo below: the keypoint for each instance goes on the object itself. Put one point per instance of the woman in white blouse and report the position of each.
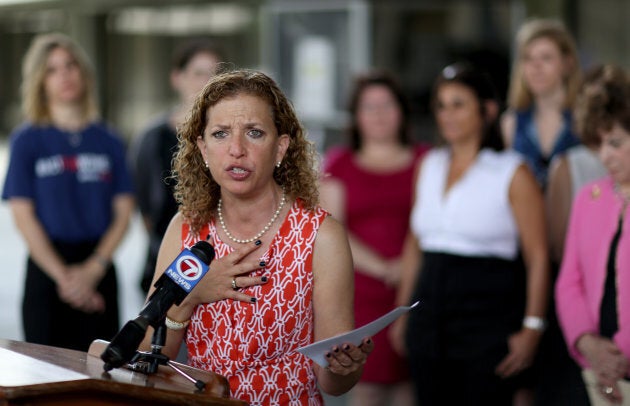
(477, 209)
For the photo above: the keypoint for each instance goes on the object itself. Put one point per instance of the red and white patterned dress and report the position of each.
(253, 345)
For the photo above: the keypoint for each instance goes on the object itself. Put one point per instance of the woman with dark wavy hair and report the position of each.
(368, 186)
(282, 277)
(477, 207)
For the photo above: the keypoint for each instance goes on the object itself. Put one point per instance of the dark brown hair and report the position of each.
(480, 83)
(188, 50)
(377, 78)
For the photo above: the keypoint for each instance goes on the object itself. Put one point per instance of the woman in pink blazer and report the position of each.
(593, 288)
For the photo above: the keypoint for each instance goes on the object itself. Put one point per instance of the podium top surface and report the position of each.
(28, 370)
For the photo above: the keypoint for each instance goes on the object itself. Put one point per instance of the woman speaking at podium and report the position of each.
(282, 277)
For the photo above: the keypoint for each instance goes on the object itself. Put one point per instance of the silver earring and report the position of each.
(278, 164)
(207, 167)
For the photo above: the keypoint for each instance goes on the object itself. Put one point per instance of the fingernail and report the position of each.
(253, 300)
(262, 264)
(336, 349)
(264, 279)
(258, 242)
(369, 341)
(346, 347)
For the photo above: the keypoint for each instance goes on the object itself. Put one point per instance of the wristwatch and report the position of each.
(535, 323)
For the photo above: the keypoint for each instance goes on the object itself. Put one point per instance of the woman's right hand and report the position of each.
(218, 283)
(522, 347)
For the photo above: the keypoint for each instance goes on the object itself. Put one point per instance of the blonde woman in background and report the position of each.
(544, 82)
(71, 198)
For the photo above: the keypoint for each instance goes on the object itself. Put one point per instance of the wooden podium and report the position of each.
(32, 374)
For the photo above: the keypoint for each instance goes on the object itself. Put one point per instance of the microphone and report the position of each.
(181, 276)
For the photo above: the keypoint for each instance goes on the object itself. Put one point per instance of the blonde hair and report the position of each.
(519, 96)
(196, 191)
(35, 106)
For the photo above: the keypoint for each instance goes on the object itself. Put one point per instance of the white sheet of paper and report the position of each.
(317, 351)
(18, 370)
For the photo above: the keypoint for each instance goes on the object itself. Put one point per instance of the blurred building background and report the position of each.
(311, 47)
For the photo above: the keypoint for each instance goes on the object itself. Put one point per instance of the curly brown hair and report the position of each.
(196, 191)
(603, 101)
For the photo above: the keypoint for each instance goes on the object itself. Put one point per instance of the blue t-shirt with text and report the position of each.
(71, 178)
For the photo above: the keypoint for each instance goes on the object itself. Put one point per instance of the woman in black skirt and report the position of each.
(477, 207)
(70, 196)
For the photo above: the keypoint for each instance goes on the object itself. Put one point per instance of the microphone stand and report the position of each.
(148, 362)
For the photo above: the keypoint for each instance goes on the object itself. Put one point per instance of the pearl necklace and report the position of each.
(257, 236)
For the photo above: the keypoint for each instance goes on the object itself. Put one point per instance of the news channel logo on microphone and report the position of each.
(187, 270)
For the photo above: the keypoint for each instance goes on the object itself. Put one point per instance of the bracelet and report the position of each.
(102, 261)
(535, 323)
(176, 325)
